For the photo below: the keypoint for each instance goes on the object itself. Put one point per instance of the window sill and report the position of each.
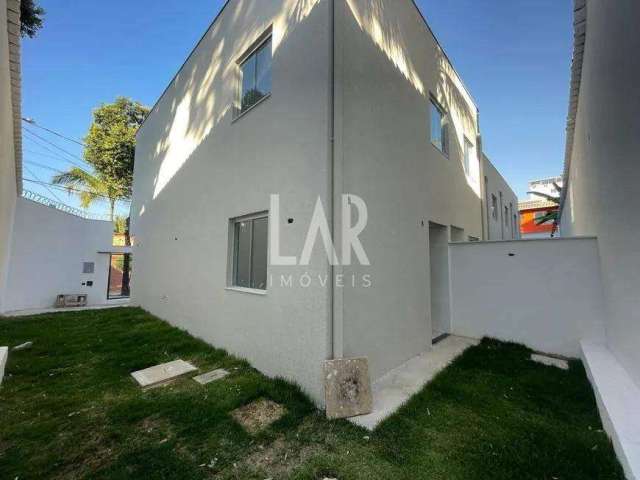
(445, 155)
(252, 291)
(242, 114)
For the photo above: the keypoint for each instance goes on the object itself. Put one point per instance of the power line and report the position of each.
(31, 121)
(54, 145)
(43, 166)
(45, 186)
(67, 189)
(37, 142)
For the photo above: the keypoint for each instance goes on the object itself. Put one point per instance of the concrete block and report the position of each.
(211, 376)
(550, 361)
(164, 373)
(347, 388)
(4, 356)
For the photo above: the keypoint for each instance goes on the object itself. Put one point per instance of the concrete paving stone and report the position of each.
(161, 374)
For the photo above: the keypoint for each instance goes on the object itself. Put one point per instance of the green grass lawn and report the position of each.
(69, 409)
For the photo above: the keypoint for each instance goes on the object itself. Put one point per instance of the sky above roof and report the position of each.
(513, 56)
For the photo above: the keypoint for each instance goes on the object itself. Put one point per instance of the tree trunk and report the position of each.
(112, 206)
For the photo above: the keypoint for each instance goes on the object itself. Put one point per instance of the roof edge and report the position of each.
(579, 40)
(15, 73)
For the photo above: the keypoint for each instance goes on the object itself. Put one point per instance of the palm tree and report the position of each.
(555, 214)
(89, 188)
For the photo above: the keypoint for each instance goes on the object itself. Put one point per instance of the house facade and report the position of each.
(297, 185)
(501, 215)
(601, 198)
(531, 213)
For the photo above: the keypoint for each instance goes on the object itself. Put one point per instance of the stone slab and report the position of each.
(347, 387)
(550, 361)
(161, 374)
(211, 376)
(4, 356)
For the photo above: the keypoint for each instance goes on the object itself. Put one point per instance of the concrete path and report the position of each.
(392, 390)
(40, 311)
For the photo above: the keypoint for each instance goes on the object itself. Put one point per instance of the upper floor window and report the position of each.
(256, 76)
(439, 127)
(468, 151)
(494, 207)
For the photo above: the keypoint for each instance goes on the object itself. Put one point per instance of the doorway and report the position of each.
(439, 269)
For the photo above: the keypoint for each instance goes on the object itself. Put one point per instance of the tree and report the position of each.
(111, 142)
(30, 18)
(110, 149)
(553, 215)
(89, 188)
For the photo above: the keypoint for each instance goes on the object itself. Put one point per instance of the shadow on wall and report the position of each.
(382, 24)
(204, 91)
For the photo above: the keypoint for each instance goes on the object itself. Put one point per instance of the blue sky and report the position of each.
(514, 56)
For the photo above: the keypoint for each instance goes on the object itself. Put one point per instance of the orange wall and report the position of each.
(528, 224)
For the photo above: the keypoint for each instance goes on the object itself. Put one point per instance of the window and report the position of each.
(506, 217)
(88, 267)
(439, 128)
(119, 276)
(468, 151)
(494, 207)
(256, 76)
(250, 236)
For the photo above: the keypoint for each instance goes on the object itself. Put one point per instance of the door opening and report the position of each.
(439, 267)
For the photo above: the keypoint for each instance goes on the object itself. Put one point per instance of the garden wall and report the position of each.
(544, 293)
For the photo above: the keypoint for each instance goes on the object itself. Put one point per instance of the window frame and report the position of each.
(444, 147)
(232, 283)
(494, 207)
(466, 156)
(253, 50)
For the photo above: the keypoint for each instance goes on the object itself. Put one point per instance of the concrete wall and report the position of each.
(197, 168)
(546, 294)
(7, 158)
(502, 225)
(47, 255)
(603, 197)
(387, 65)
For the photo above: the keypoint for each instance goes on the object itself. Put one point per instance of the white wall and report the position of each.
(7, 159)
(196, 168)
(548, 295)
(603, 195)
(387, 66)
(47, 255)
(498, 228)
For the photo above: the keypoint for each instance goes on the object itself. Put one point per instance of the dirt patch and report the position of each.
(258, 415)
(279, 459)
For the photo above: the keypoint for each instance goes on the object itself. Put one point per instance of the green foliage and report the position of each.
(71, 410)
(30, 18)
(119, 224)
(111, 143)
(88, 187)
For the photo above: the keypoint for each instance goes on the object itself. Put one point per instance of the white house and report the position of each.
(338, 107)
(602, 198)
(46, 249)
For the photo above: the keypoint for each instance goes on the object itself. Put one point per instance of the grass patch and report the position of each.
(69, 409)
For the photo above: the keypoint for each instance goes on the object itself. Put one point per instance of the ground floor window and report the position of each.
(119, 276)
(250, 251)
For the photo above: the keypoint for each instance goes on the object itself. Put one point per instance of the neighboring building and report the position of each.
(10, 131)
(531, 212)
(309, 100)
(602, 198)
(545, 186)
(501, 216)
(46, 248)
